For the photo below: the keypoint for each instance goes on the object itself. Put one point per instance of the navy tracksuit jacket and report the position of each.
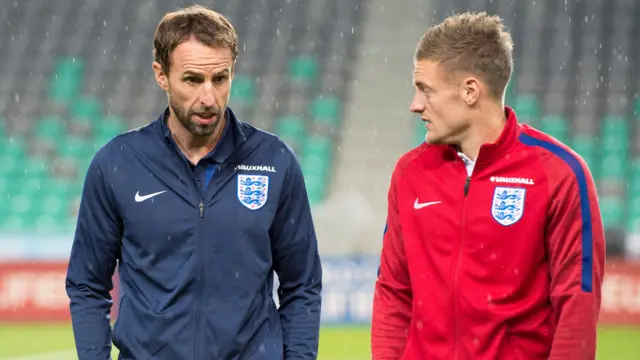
(196, 248)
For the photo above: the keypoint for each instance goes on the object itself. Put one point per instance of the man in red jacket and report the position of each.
(494, 245)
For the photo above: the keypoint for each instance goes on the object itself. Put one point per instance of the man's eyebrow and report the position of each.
(199, 74)
(223, 72)
(192, 73)
(420, 84)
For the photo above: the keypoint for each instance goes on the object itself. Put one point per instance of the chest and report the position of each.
(496, 215)
(174, 212)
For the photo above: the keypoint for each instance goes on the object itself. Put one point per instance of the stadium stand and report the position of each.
(310, 82)
(332, 78)
(292, 76)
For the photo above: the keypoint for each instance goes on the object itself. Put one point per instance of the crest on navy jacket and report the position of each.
(508, 205)
(253, 190)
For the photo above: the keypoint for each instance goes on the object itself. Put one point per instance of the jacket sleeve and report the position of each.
(92, 263)
(297, 263)
(393, 296)
(576, 250)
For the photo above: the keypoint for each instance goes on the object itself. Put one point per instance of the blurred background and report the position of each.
(333, 79)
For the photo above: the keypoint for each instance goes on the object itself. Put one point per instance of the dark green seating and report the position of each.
(527, 108)
(556, 126)
(292, 130)
(326, 110)
(88, 107)
(242, 90)
(303, 68)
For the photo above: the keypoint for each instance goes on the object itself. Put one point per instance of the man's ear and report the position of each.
(161, 77)
(471, 90)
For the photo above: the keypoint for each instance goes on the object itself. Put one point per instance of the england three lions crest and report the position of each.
(508, 205)
(253, 190)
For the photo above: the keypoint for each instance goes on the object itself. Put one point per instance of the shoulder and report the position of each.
(559, 161)
(271, 146)
(110, 153)
(266, 139)
(420, 153)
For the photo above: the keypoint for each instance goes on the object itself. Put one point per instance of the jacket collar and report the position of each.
(493, 151)
(490, 152)
(232, 136)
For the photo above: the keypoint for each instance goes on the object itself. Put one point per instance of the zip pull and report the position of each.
(201, 209)
(466, 185)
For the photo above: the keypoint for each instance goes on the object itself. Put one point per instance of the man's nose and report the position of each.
(208, 96)
(416, 105)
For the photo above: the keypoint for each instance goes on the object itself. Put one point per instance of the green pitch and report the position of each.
(55, 342)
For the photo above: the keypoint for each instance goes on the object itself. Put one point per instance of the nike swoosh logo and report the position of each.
(146, 197)
(418, 205)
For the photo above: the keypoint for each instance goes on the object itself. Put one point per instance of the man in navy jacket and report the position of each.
(197, 210)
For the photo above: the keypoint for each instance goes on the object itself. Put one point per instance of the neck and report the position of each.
(194, 147)
(486, 131)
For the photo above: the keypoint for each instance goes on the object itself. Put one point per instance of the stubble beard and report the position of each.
(200, 130)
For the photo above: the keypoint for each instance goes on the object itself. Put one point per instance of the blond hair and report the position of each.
(474, 43)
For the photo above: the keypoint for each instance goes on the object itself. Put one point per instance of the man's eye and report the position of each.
(220, 79)
(192, 80)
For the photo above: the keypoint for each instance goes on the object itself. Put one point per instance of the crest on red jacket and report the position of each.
(508, 204)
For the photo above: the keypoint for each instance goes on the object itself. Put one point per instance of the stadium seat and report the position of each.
(556, 126)
(10, 168)
(50, 126)
(326, 110)
(35, 168)
(13, 224)
(316, 163)
(585, 146)
(88, 107)
(615, 133)
(527, 108)
(316, 187)
(242, 89)
(14, 146)
(66, 67)
(76, 148)
(303, 68)
(615, 148)
(510, 92)
(612, 209)
(63, 90)
(110, 126)
(291, 129)
(66, 80)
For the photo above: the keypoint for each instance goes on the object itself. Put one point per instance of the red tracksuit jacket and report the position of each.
(504, 264)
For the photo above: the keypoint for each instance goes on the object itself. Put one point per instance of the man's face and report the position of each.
(198, 85)
(440, 103)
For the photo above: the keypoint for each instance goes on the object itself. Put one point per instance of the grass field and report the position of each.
(55, 342)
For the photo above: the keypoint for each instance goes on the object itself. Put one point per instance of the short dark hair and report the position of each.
(476, 43)
(203, 24)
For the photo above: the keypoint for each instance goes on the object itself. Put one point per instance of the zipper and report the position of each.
(466, 186)
(196, 348)
(456, 274)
